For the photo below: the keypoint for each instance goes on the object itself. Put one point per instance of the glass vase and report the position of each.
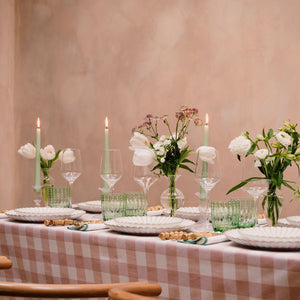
(272, 205)
(172, 198)
(47, 182)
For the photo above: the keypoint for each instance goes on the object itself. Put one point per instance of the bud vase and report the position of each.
(272, 206)
(47, 182)
(172, 198)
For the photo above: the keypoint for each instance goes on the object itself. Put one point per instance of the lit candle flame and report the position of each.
(206, 119)
(38, 123)
(106, 123)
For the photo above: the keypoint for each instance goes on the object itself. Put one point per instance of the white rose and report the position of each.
(143, 157)
(207, 153)
(240, 145)
(139, 141)
(162, 160)
(284, 138)
(67, 156)
(48, 152)
(261, 153)
(182, 143)
(28, 151)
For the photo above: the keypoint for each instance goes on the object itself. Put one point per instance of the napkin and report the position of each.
(88, 227)
(203, 240)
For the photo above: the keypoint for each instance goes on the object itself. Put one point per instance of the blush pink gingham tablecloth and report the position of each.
(222, 271)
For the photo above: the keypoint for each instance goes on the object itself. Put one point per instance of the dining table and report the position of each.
(55, 254)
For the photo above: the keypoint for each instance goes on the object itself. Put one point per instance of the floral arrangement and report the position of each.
(278, 151)
(169, 152)
(47, 158)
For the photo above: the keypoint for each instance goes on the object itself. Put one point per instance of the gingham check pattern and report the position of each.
(221, 271)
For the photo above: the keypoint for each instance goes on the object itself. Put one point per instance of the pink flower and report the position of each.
(198, 122)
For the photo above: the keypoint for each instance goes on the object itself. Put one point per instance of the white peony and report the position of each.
(261, 153)
(143, 157)
(67, 156)
(139, 141)
(240, 145)
(48, 152)
(182, 143)
(207, 153)
(28, 151)
(284, 138)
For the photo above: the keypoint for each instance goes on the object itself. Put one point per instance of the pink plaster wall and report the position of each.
(8, 167)
(78, 61)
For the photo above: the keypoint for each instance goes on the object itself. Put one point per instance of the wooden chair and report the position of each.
(116, 291)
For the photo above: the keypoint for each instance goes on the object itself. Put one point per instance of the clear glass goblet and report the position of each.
(145, 178)
(110, 168)
(258, 185)
(207, 174)
(70, 165)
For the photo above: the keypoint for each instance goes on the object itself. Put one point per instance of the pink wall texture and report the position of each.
(76, 62)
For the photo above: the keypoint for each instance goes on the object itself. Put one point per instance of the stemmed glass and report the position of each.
(208, 174)
(255, 187)
(110, 167)
(70, 165)
(144, 177)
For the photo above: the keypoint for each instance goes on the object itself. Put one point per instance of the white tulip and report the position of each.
(143, 157)
(261, 153)
(48, 152)
(240, 145)
(207, 153)
(139, 141)
(67, 156)
(284, 138)
(28, 151)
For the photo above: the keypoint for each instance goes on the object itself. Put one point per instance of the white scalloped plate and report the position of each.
(191, 213)
(155, 212)
(235, 236)
(149, 221)
(272, 234)
(91, 206)
(294, 220)
(61, 211)
(184, 225)
(41, 218)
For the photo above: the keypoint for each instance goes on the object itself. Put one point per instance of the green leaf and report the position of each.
(244, 183)
(188, 161)
(287, 185)
(252, 148)
(270, 133)
(186, 168)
